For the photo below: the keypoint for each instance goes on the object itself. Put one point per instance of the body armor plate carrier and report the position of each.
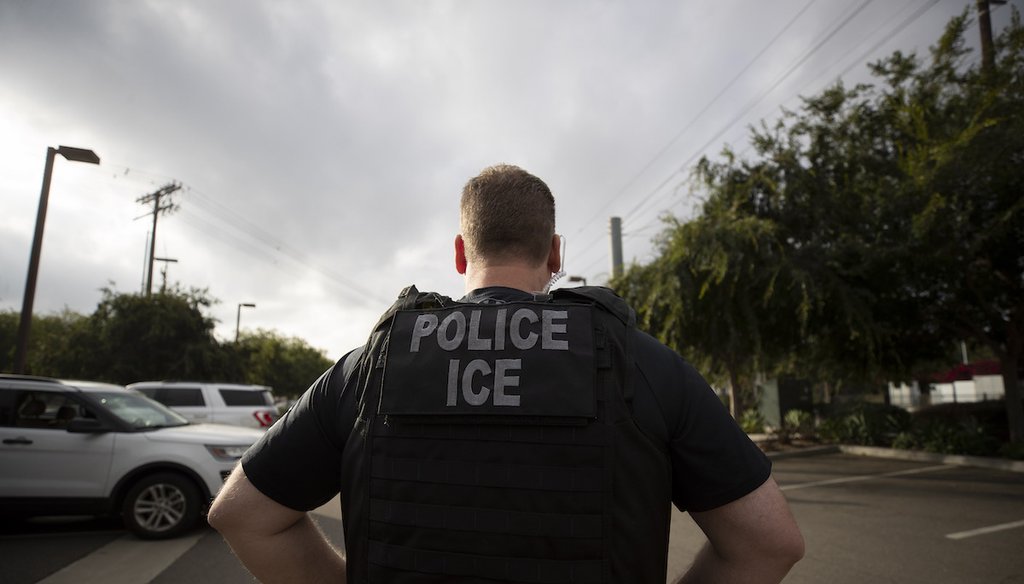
(496, 443)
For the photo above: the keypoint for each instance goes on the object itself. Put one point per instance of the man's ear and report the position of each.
(555, 254)
(460, 255)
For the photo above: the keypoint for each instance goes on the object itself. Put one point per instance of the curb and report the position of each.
(898, 454)
(810, 451)
(915, 455)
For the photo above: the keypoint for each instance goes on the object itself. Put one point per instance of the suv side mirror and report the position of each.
(87, 426)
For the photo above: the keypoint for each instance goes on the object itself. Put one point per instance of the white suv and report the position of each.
(86, 448)
(221, 403)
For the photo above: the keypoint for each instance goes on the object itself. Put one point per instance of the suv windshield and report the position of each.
(139, 411)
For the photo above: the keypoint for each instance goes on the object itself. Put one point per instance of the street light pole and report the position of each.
(238, 317)
(25, 323)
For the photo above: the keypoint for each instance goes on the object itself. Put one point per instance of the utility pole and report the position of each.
(616, 228)
(988, 54)
(154, 197)
(163, 271)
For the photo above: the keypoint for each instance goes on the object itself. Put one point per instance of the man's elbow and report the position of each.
(796, 548)
(228, 511)
(787, 549)
(775, 553)
(223, 514)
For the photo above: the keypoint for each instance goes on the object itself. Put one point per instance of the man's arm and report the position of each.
(752, 540)
(276, 543)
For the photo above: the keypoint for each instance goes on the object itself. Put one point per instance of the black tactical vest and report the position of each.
(496, 443)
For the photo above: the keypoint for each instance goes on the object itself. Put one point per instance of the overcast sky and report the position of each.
(321, 146)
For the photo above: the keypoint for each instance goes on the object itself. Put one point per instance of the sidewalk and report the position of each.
(763, 440)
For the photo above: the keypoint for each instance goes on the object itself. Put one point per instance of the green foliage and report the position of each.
(967, 437)
(973, 429)
(752, 421)
(289, 365)
(133, 337)
(52, 342)
(870, 231)
(865, 424)
(795, 423)
(8, 339)
(799, 422)
(1012, 450)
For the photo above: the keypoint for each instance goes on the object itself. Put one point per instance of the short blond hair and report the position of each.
(507, 214)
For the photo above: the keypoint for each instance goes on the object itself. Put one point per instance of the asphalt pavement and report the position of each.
(864, 518)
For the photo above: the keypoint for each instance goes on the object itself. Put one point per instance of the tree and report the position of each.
(289, 365)
(162, 336)
(52, 348)
(963, 160)
(710, 295)
(872, 231)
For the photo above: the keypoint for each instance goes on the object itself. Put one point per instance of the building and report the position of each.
(970, 382)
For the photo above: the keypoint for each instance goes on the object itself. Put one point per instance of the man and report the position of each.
(513, 436)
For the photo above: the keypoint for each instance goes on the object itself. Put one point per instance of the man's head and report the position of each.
(507, 217)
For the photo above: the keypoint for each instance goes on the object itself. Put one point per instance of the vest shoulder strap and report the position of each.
(606, 298)
(410, 298)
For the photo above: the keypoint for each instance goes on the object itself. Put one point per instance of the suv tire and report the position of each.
(161, 506)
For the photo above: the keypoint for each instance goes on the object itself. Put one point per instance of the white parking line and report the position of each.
(126, 560)
(984, 530)
(865, 477)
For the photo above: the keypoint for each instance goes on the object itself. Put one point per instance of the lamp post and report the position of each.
(238, 317)
(25, 324)
(578, 279)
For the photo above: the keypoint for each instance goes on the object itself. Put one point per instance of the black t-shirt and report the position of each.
(297, 461)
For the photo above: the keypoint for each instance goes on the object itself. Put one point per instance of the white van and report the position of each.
(221, 403)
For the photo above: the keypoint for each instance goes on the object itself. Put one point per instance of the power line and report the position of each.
(859, 60)
(273, 243)
(251, 231)
(899, 28)
(591, 243)
(839, 23)
(778, 81)
(696, 117)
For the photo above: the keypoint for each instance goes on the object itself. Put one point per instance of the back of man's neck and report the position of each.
(525, 278)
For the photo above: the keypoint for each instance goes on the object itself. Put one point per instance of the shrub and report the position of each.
(989, 414)
(949, 436)
(795, 423)
(1011, 450)
(751, 421)
(800, 422)
(865, 424)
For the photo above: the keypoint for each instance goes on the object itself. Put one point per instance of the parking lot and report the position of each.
(864, 520)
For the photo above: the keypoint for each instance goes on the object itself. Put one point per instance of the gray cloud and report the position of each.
(322, 145)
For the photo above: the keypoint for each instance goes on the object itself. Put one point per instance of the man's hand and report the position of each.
(276, 543)
(753, 540)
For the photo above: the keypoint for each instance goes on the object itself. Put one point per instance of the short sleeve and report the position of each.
(713, 461)
(297, 463)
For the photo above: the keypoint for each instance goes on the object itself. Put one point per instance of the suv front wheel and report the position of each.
(160, 506)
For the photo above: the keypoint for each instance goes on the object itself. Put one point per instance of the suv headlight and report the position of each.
(227, 453)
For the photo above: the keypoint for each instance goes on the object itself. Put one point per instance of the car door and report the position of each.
(38, 455)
